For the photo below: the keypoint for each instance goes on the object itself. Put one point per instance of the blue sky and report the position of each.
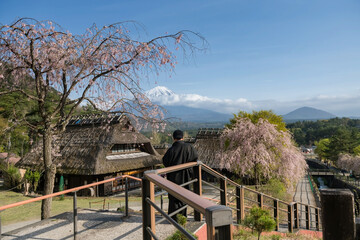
(275, 54)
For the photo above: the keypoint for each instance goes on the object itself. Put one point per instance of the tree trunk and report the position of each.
(49, 174)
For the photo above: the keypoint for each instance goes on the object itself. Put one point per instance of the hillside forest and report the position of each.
(332, 137)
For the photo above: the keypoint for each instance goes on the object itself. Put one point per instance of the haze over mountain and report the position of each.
(197, 108)
(164, 97)
(308, 113)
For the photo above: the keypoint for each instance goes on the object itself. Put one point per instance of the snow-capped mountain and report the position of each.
(158, 92)
(181, 106)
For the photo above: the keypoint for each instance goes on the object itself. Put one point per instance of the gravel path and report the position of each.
(91, 225)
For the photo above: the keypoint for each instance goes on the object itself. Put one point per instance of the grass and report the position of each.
(32, 211)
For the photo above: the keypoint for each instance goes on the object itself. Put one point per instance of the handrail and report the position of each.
(65, 192)
(216, 216)
(175, 168)
(248, 189)
(184, 195)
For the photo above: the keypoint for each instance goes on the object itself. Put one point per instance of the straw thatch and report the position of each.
(207, 144)
(85, 147)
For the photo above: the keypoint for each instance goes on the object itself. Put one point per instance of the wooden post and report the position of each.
(75, 215)
(307, 216)
(219, 222)
(296, 215)
(161, 202)
(197, 189)
(240, 204)
(223, 193)
(290, 218)
(148, 211)
(260, 200)
(337, 214)
(276, 213)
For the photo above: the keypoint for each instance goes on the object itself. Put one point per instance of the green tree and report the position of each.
(342, 142)
(259, 220)
(357, 150)
(322, 147)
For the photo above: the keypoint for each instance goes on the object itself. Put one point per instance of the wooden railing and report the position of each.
(283, 212)
(231, 194)
(218, 218)
(235, 201)
(74, 191)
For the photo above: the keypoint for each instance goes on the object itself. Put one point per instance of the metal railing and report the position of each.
(74, 191)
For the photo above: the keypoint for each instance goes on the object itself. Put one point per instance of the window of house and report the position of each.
(123, 148)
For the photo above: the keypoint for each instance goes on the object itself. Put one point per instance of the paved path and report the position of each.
(304, 194)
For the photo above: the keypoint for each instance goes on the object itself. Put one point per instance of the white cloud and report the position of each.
(342, 105)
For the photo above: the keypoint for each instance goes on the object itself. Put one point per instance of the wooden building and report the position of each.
(95, 148)
(207, 144)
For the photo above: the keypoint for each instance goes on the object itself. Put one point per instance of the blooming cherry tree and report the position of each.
(104, 67)
(261, 151)
(349, 163)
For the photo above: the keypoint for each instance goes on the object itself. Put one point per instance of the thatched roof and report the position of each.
(85, 147)
(207, 144)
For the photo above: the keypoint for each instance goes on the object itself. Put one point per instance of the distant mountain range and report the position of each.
(167, 98)
(307, 113)
(189, 114)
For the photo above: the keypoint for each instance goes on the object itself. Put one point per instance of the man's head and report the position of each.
(178, 135)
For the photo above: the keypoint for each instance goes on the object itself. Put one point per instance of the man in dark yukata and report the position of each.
(179, 153)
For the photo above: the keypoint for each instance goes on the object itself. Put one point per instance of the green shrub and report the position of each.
(275, 237)
(259, 220)
(12, 177)
(33, 178)
(179, 235)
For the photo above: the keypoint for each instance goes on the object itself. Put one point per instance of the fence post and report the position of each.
(260, 200)
(126, 198)
(296, 215)
(75, 215)
(290, 217)
(223, 195)
(240, 204)
(337, 214)
(307, 216)
(219, 222)
(161, 202)
(197, 189)
(276, 213)
(148, 211)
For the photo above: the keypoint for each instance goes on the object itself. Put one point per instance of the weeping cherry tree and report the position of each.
(105, 67)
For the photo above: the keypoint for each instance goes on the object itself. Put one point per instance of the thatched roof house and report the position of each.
(95, 147)
(207, 144)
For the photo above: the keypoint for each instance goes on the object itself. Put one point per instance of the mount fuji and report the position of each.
(172, 102)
